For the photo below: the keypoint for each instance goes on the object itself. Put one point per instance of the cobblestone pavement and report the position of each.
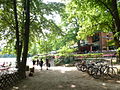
(64, 78)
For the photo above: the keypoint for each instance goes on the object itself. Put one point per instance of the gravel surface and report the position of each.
(64, 78)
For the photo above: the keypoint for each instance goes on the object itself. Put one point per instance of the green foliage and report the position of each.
(117, 34)
(45, 32)
(92, 16)
(65, 50)
(118, 50)
(40, 26)
(35, 57)
(111, 43)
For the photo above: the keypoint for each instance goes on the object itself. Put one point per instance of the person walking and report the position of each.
(41, 63)
(47, 63)
(37, 62)
(34, 62)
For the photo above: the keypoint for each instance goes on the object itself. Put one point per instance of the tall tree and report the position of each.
(18, 48)
(22, 64)
(26, 37)
(72, 28)
(15, 23)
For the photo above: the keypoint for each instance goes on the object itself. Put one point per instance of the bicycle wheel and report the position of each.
(83, 68)
(78, 66)
(89, 71)
(95, 73)
(112, 72)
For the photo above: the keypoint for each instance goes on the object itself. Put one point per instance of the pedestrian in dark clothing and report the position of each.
(37, 62)
(41, 63)
(47, 64)
(34, 62)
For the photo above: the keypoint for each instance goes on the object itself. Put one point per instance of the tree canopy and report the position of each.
(42, 26)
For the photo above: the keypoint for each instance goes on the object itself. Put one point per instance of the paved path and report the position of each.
(64, 78)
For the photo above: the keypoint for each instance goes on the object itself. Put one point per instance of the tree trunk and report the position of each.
(17, 46)
(115, 15)
(26, 39)
(116, 20)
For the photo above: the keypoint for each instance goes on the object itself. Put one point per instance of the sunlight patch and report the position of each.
(73, 86)
(118, 81)
(103, 84)
(15, 88)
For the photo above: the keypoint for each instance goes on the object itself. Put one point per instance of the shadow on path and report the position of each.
(63, 78)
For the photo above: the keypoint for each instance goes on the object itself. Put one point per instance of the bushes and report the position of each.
(69, 58)
(64, 60)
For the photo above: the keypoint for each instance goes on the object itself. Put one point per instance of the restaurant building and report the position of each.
(98, 42)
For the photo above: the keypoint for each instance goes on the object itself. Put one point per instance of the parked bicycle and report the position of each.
(97, 69)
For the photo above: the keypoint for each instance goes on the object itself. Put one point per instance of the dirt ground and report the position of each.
(64, 78)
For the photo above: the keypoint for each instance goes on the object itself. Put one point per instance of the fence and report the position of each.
(8, 78)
